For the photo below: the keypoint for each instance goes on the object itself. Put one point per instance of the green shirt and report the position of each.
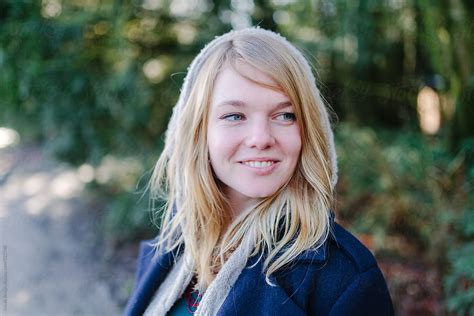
(188, 303)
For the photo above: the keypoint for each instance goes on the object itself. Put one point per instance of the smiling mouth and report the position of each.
(259, 164)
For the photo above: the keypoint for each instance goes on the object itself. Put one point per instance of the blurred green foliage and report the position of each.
(459, 279)
(410, 198)
(95, 82)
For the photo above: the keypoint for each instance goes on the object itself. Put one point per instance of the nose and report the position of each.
(260, 136)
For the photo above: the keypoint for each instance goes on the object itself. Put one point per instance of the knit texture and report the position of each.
(182, 272)
(196, 66)
(172, 288)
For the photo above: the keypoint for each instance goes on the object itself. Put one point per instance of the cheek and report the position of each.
(294, 153)
(221, 144)
(213, 141)
(291, 143)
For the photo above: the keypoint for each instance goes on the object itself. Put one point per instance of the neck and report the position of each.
(239, 203)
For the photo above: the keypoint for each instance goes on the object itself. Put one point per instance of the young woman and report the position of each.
(248, 174)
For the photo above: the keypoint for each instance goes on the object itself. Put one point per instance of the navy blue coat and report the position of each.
(342, 278)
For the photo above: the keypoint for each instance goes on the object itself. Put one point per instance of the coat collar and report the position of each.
(160, 266)
(147, 285)
(320, 254)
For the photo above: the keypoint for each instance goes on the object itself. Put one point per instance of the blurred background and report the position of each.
(87, 87)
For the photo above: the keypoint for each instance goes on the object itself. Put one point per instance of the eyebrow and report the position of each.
(238, 103)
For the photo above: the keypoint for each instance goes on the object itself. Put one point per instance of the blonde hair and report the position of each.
(196, 212)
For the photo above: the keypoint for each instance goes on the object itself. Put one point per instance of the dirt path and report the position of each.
(50, 251)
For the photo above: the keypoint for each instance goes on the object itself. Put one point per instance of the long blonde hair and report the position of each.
(196, 213)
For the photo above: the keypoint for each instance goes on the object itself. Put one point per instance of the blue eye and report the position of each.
(287, 116)
(233, 117)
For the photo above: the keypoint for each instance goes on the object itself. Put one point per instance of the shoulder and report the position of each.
(340, 278)
(342, 251)
(346, 247)
(146, 253)
(150, 254)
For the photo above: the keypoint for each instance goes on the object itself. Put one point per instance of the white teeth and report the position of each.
(258, 164)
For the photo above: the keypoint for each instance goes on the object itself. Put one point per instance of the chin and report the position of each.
(260, 195)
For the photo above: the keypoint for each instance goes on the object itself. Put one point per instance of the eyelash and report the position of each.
(292, 116)
(228, 117)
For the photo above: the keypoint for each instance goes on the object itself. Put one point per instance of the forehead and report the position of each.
(247, 84)
(247, 71)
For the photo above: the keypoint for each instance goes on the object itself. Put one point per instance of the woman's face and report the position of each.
(253, 137)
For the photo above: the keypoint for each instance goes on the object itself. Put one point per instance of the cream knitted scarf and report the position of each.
(182, 272)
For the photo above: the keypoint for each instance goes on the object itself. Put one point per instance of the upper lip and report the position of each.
(259, 159)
